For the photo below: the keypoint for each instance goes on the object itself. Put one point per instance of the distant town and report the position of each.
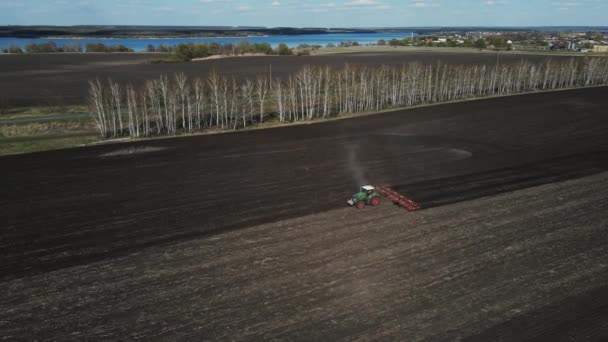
(508, 40)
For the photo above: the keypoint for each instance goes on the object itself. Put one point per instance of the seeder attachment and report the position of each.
(398, 198)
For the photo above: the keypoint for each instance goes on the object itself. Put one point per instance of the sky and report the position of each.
(306, 13)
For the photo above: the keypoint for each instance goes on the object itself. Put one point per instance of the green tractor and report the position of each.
(367, 195)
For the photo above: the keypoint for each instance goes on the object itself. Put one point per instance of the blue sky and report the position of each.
(317, 13)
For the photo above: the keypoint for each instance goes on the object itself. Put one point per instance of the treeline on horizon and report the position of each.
(169, 106)
(189, 51)
(180, 52)
(162, 31)
(52, 47)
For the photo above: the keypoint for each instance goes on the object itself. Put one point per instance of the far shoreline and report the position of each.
(371, 49)
(143, 37)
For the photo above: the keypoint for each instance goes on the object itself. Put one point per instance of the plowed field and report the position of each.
(246, 235)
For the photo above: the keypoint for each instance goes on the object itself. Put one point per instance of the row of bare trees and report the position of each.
(176, 104)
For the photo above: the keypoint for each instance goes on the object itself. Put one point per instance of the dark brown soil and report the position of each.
(59, 79)
(152, 239)
(528, 265)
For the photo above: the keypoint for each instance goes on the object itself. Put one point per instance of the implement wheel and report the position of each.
(360, 205)
(376, 201)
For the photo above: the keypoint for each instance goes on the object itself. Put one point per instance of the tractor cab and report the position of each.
(366, 195)
(367, 189)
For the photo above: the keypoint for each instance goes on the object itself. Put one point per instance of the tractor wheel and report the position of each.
(360, 205)
(376, 201)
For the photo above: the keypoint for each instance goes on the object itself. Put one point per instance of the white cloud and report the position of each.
(423, 4)
(362, 3)
(366, 4)
(494, 2)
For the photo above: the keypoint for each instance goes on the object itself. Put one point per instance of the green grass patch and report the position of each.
(38, 129)
(7, 113)
(8, 147)
(43, 136)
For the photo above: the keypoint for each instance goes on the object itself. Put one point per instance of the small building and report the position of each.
(600, 48)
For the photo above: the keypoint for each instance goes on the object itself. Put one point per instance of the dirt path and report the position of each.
(494, 267)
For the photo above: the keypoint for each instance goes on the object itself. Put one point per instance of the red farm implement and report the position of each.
(370, 195)
(398, 198)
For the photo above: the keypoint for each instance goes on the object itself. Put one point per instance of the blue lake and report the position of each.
(291, 41)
